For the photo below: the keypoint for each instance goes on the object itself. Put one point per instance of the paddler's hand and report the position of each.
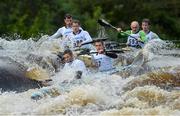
(79, 45)
(140, 40)
(101, 51)
(78, 75)
(119, 29)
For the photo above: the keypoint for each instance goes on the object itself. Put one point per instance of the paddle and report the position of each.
(87, 51)
(110, 53)
(38, 74)
(104, 23)
(116, 51)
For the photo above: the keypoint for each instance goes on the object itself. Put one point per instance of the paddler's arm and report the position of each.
(56, 35)
(123, 34)
(94, 63)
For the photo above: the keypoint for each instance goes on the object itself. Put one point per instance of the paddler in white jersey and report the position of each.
(79, 36)
(75, 64)
(65, 30)
(146, 29)
(100, 59)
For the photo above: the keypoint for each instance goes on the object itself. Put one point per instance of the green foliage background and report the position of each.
(28, 18)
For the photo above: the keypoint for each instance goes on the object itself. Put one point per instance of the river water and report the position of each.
(150, 85)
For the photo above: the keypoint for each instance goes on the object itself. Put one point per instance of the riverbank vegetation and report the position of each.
(29, 18)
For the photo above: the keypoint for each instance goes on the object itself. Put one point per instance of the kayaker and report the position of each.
(79, 36)
(100, 59)
(146, 29)
(65, 30)
(135, 38)
(75, 64)
(71, 64)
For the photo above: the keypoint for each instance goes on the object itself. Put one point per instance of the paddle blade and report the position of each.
(37, 74)
(84, 51)
(104, 23)
(111, 55)
(87, 59)
(116, 51)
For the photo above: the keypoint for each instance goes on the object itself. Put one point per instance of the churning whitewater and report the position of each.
(148, 82)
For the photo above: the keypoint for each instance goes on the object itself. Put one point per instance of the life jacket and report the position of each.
(151, 35)
(76, 65)
(132, 41)
(80, 38)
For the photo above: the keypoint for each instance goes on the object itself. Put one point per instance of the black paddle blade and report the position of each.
(84, 51)
(111, 55)
(102, 22)
(116, 51)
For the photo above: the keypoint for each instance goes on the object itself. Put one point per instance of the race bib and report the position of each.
(133, 41)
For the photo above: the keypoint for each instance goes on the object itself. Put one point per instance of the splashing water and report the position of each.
(96, 93)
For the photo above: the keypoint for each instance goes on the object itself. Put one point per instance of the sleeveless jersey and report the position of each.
(151, 35)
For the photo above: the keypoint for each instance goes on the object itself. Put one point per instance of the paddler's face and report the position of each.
(145, 26)
(99, 47)
(67, 58)
(134, 27)
(75, 27)
(68, 22)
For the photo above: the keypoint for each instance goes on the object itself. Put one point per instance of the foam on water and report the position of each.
(148, 100)
(95, 93)
(136, 111)
(16, 103)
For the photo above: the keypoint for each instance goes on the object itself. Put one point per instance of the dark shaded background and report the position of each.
(29, 18)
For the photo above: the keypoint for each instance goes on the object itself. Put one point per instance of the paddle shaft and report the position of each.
(112, 51)
(110, 54)
(122, 31)
(102, 22)
(126, 34)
